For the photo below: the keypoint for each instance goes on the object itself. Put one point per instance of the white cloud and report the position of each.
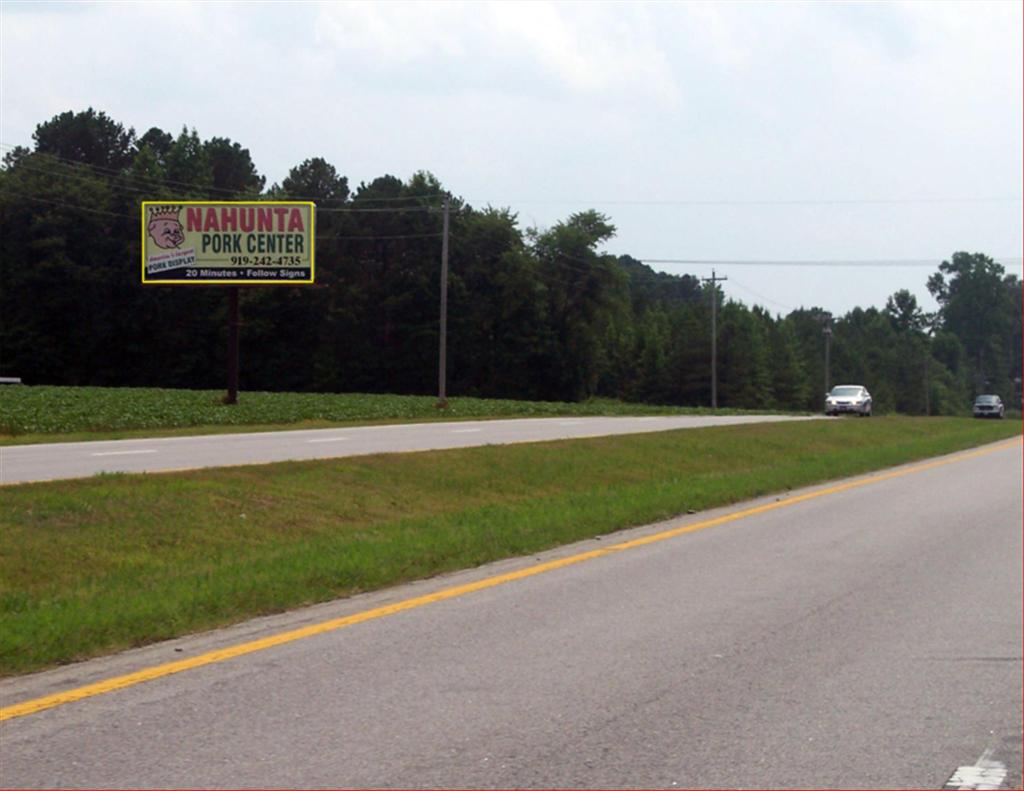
(591, 50)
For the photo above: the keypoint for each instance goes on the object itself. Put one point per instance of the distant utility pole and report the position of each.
(442, 400)
(827, 331)
(714, 335)
(928, 364)
(927, 382)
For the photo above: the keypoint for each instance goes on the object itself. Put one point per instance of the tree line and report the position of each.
(532, 313)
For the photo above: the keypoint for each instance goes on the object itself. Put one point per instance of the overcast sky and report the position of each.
(705, 131)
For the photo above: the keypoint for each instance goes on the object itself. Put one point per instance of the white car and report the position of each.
(988, 406)
(848, 398)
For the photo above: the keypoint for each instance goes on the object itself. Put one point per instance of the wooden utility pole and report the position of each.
(442, 375)
(714, 335)
(828, 348)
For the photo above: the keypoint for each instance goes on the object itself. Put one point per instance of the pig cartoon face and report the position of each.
(167, 233)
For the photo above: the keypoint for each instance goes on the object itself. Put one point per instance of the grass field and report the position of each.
(49, 414)
(100, 564)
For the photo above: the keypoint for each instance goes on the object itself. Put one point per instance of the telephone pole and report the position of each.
(828, 344)
(442, 400)
(714, 335)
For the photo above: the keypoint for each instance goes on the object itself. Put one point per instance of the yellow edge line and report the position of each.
(221, 655)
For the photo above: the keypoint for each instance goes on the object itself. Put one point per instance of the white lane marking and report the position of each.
(122, 452)
(984, 774)
(330, 439)
(569, 422)
(466, 430)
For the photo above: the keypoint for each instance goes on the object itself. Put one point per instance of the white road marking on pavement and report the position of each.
(569, 422)
(122, 452)
(985, 774)
(465, 430)
(330, 439)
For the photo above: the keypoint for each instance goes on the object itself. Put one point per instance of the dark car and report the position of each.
(988, 406)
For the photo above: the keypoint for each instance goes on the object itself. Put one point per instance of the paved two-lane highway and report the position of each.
(47, 462)
(856, 636)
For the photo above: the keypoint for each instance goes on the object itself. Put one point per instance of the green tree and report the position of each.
(981, 306)
(159, 142)
(316, 180)
(89, 138)
(791, 386)
(689, 356)
(188, 167)
(56, 265)
(584, 290)
(233, 172)
(904, 313)
(807, 327)
(497, 335)
(744, 378)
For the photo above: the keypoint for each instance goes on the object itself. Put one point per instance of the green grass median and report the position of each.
(96, 565)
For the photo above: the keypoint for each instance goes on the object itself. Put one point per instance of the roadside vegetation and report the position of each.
(536, 314)
(96, 565)
(51, 414)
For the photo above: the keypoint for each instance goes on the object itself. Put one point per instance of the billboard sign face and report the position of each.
(227, 242)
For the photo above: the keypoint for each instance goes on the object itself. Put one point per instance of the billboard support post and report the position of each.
(232, 396)
(228, 243)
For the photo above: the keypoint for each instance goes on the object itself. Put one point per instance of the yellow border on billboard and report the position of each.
(183, 203)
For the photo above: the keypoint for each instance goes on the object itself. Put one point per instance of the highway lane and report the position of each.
(866, 637)
(44, 462)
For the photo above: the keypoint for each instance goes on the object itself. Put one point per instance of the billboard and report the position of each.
(227, 242)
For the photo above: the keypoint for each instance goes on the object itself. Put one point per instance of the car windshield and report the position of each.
(986, 399)
(845, 391)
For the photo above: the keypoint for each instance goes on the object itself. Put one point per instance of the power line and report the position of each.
(882, 262)
(761, 296)
(90, 210)
(382, 238)
(75, 206)
(773, 202)
(157, 187)
(123, 183)
(560, 259)
(599, 202)
(895, 262)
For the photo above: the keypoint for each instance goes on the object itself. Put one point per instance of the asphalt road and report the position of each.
(45, 462)
(865, 637)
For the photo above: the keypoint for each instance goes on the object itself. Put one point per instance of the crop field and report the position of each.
(40, 414)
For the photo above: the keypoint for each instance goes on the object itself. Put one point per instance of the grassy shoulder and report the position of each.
(72, 414)
(96, 565)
